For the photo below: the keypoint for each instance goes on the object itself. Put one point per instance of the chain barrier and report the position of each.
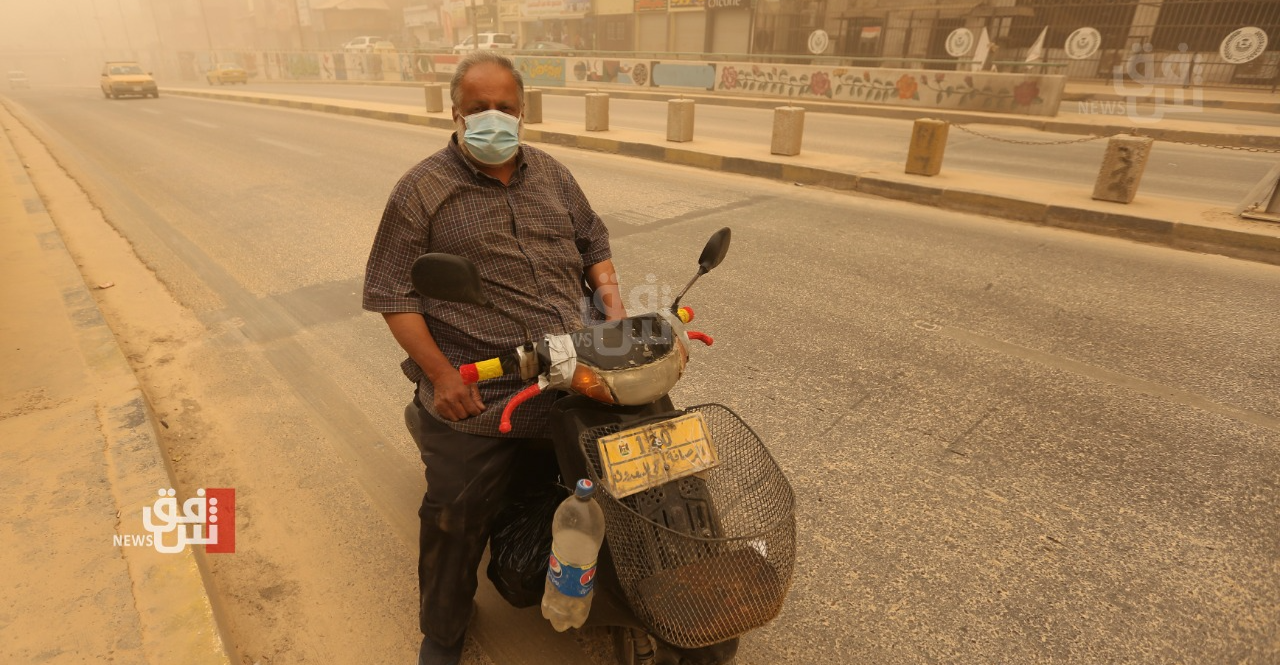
(1019, 142)
(1239, 148)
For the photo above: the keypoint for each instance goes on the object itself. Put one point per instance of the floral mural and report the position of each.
(949, 89)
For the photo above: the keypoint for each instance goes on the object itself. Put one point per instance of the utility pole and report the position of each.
(204, 15)
(101, 31)
(127, 38)
(297, 15)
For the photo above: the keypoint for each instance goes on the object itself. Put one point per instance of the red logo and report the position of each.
(222, 516)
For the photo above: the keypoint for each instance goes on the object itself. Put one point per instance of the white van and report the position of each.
(489, 40)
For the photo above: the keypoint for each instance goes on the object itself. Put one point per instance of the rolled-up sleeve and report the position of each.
(590, 234)
(401, 238)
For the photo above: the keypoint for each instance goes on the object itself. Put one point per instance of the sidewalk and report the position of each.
(1169, 222)
(78, 458)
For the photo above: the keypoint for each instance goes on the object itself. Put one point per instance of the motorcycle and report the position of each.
(699, 519)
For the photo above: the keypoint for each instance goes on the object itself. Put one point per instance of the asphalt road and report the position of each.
(1008, 443)
(1176, 171)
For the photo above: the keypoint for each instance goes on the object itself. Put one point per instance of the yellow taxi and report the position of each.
(226, 72)
(125, 77)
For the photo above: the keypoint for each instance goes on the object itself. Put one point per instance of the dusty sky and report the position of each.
(43, 25)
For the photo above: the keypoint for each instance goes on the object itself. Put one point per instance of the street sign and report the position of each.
(959, 42)
(818, 42)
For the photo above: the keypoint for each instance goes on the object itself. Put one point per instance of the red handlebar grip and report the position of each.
(685, 314)
(701, 337)
(520, 398)
(469, 373)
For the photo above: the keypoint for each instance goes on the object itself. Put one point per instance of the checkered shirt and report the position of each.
(531, 241)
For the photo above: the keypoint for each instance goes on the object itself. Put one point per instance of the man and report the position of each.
(522, 219)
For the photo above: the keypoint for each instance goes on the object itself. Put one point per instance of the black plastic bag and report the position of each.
(520, 545)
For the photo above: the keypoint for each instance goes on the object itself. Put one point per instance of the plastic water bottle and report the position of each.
(576, 533)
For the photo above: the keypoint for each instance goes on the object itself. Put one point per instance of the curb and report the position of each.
(177, 616)
(1235, 244)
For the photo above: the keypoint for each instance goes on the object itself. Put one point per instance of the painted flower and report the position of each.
(1026, 92)
(968, 80)
(907, 87)
(839, 72)
(939, 77)
(756, 71)
(729, 78)
(866, 76)
(820, 84)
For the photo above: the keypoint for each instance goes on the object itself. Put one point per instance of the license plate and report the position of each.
(644, 457)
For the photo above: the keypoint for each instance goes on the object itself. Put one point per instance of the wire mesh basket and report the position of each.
(707, 557)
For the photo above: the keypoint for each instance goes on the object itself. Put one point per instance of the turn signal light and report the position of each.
(587, 382)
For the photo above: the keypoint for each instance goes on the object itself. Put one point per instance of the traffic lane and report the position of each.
(859, 275)
(972, 486)
(1219, 177)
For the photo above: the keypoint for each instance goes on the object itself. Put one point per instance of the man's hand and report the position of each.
(456, 400)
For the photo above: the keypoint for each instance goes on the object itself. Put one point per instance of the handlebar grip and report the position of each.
(488, 369)
(685, 314)
(520, 398)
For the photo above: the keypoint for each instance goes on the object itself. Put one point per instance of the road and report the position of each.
(1008, 443)
(1176, 171)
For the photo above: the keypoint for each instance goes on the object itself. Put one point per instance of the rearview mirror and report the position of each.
(448, 277)
(714, 251)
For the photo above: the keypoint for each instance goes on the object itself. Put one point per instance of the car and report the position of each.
(18, 79)
(226, 72)
(125, 77)
(435, 45)
(384, 46)
(487, 40)
(363, 44)
(549, 48)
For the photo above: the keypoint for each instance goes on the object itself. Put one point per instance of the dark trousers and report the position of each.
(469, 478)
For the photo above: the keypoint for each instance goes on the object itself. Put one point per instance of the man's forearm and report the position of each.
(608, 294)
(411, 332)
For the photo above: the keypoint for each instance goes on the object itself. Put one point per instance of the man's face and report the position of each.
(487, 87)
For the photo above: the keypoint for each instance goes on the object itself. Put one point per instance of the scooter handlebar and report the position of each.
(490, 369)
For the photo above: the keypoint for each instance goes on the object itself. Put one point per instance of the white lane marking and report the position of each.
(289, 146)
(201, 123)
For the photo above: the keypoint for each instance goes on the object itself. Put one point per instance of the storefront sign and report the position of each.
(685, 4)
(728, 4)
(651, 5)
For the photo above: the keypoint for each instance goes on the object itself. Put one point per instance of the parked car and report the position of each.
(435, 45)
(490, 40)
(18, 79)
(384, 46)
(550, 48)
(363, 44)
(123, 77)
(226, 72)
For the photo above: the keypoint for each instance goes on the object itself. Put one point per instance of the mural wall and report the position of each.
(1024, 94)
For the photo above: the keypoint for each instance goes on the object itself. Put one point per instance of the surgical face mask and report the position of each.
(491, 137)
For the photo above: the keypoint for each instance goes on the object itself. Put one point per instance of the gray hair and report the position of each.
(480, 57)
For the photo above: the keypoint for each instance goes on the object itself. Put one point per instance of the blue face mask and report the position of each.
(492, 137)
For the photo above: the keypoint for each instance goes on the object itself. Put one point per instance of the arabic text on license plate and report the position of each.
(643, 457)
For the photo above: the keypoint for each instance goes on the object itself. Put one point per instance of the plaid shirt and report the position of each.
(531, 240)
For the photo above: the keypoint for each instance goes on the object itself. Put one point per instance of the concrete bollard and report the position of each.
(1122, 168)
(788, 130)
(680, 120)
(597, 112)
(532, 106)
(435, 97)
(928, 144)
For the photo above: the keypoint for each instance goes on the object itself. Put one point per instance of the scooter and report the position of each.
(699, 519)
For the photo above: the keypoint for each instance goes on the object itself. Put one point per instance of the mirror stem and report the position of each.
(675, 305)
